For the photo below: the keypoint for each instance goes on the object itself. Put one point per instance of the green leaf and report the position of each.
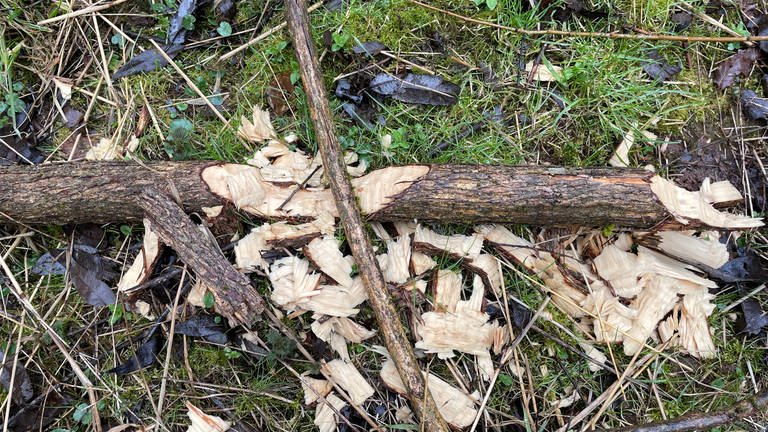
(188, 22)
(82, 414)
(209, 300)
(224, 29)
(117, 313)
(117, 39)
(180, 130)
(126, 230)
(403, 426)
(491, 4)
(231, 354)
(506, 380)
(295, 76)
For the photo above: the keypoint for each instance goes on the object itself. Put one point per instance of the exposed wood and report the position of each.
(235, 298)
(390, 326)
(107, 192)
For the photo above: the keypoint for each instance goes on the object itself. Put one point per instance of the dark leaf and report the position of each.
(417, 89)
(353, 112)
(73, 117)
(735, 65)
(658, 69)
(369, 48)
(40, 412)
(747, 267)
(521, 315)
(88, 270)
(47, 265)
(204, 326)
(146, 61)
(755, 107)
(15, 150)
(682, 20)
(755, 319)
(145, 356)
(22, 387)
(344, 91)
(177, 33)
(762, 30)
(225, 10)
(333, 5)
(279, 93)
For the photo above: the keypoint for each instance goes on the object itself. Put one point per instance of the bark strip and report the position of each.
(236, 299)
(390, 326)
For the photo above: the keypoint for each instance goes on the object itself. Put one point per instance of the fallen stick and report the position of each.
(236, 299)
(103, 192)
(706, 421)
(390, 327)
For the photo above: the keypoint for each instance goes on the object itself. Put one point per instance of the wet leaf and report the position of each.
(40, 412)
(747, 267)
(415, 88)
(177, 30)
(225, 9)
(369, 48)
(762, 30)
(22, 390)
(280, 93)
(204, 326)
(15, 150)
(658, 69)
(734, 66)
(145, 356)
(353, 112)
(682, 20)
(224, 29)
(755, 319)
(754, 107)
(47, 265)
(88, 271)
(344, 91)
(146, 61)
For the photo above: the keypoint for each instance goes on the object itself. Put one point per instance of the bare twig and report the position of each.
(84, 11)
(333, 161)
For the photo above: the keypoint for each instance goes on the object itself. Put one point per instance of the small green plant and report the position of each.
(231, 354)
(208, 300)
(180, 130)
(188, 22)
(224, 29)
(340, 41)
(116, 313)
(490, 4)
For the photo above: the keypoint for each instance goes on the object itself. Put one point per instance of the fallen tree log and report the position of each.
(540, 195)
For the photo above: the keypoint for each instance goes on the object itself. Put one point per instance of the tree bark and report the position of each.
(390, 326)
(103, 192)
(236, 299)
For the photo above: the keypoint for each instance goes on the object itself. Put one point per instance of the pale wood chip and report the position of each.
(657, 298)
(292, 282)
(421, 263)
(325, 413)
(456, 245)
(693, 249)
(259, 129)
(326, 256)
(447, 289)
(336, 331)
(144, 262)
(350, 379)
(314, 388)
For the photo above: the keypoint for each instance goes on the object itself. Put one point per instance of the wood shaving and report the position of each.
(326, 418)
(314, 388)
(202, 422)
(347, 377)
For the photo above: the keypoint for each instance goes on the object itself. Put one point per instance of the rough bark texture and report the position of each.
(537, 195)
(107, 192)
(236, 299)
(96, 192)
(390, 326)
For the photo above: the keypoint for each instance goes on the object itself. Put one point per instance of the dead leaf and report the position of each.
(755, 107)
(22, 390)
(203, 326)
(369, 48)
(47, 265)
(88, 271)
(658, 69)
(202, 422)
(280, 93)
(755, 319)
(177, 33)
(146, 61)
(739, 64)
(416, 89)
(144, 357)
(543, 72)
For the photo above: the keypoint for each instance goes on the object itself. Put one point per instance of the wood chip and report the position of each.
(395, 263)
(314, 388)
(457, 407)
(458, 246)
(347, 376)
(326, 418)
(292, 282)
(693, 249)
(326, 256)
(144, 263)
(337, 331)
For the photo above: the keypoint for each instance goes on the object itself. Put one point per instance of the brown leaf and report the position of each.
(735, 65)
(280, 93)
